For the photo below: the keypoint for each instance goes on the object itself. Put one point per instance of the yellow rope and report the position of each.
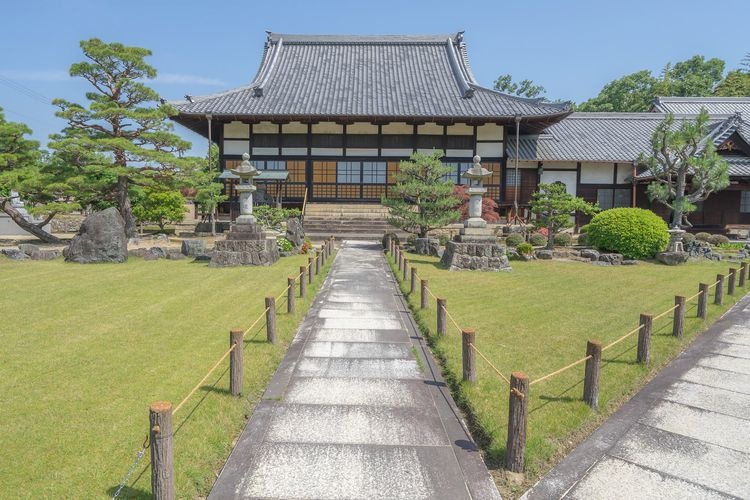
(489, 363)
(177, 408)
(694, 296)
(665, 312)
(256, 321)
(452, 320)
(282, 294)
(714, 284)
(571, 365)
(622, 338)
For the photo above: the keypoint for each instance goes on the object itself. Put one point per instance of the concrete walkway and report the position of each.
(685, 435)
(357, 408)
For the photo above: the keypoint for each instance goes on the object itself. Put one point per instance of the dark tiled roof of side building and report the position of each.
(330, 76)
(693, 105)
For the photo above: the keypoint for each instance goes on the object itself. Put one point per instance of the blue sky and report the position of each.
(572, 48)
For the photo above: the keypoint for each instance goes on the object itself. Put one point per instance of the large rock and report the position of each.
(295, 232)
(613, 259)
(672, 258)
(543, 254)
(193, 248)
(474, 256)
(14, 254)
(100, 239)
(590, 253)
(427, 246)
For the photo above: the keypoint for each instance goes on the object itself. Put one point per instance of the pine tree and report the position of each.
(554, 206)
(421, 199)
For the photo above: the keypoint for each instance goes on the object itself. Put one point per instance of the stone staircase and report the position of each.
(348, 221)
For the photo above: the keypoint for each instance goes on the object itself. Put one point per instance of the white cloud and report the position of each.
(182, 79)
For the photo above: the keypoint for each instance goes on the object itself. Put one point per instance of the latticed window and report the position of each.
(744, 201)
(374, 172)
(347, 172)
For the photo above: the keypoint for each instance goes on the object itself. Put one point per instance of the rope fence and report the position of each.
(519, 383)
(162, 412)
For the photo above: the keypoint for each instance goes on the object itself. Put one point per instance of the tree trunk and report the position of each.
(678, 200)
(550, 237)
(126, 210)
(213, 221)
(27, 226)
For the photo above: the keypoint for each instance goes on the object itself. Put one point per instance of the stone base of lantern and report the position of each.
(245, 245)
(475, 249)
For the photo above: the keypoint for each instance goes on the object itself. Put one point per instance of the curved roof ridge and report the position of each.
(534, 101)
(291, 38)
(458, 73)
(269, 62)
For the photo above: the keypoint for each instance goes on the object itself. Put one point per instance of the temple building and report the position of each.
(329, 118)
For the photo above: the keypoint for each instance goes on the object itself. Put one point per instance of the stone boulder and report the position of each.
(35, 252)
(427, 246)
(613, 259)
(544, 254)
(100, 239)
(295, 232)
(192, 248)
(672, 258)
(590, 253)
(14, 254)
(630, 262)
(174, 255)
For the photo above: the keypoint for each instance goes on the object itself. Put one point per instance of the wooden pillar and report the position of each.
(518, 414)
(290, 306)
(424, 303)
(644, 338)
(400, 257)
(719, 292)
(235, 362)
(441, 316)
(406, 269)
(413, 286)
(732, 281)
(162, 455)
(703, 300)
(592, 373)
(468, 337)
(323, 254)
(310, 265)
(678, 322)
(271, 319)
(302, 282)
(743, 274)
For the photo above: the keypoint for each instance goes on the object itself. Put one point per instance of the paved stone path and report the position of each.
(357, 408)
(685, 435)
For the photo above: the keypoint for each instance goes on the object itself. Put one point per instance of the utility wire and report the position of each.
(23, 89)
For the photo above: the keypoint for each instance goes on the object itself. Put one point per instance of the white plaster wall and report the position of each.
(236, 147)
(490, 149)
(361, 128)
(265, 128)
(396, 152)
(460, 129)
(398, 128)
(428, 151)
(294, 151)
(294, 128)
(567, 178)
(327, 128)
(430, 129)
(490, 132)
(236, 130)
(522, 163)
(567, 165)
(266, 151)
(326, 151)
(459, 153)
(361, 152)
(597, 173)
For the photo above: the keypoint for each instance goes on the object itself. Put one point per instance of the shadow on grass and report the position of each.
(559, 397)
(128, 492)
(415, 259)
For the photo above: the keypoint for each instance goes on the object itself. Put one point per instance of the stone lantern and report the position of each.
(476, 246)
(245, 171)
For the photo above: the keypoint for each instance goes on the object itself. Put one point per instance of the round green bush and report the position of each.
(525, 248)
(702, 236)
(537, 239)
(634, 232)
(584, 229)
(514, 239)
(688, 238)
(563, 239)
(583, 239)
(718, 239)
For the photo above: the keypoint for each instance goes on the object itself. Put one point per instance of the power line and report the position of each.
(28, 92)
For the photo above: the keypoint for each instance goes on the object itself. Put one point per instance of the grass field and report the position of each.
(86, 349)
(537, 319)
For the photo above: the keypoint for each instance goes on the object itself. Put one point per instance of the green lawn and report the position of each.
(537, 319)
(87, 348)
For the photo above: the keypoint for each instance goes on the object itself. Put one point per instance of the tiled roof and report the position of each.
(693, 105)
(326, 76)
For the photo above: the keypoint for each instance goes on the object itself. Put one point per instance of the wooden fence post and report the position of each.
(518, 414)
(441, 317)
(309, 269)
(271, 319)
(703, 300)
(235, 362)
(468, 337)
(162, 456)
(424, 303)
(413, 287)
(743, 274)
(317, 263)
(302, 282)
(592, 373)
(732, 281)
(644, 338)
(719, 292)
(406, 269)
(678, 322)
(290, 306)
(323, 254)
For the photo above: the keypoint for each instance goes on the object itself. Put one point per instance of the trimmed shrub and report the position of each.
(388, 236)
(702, 236)
(634, 232)
(514, 239)
(525, 248)
(284, 245)
(718, 239)
(688, 238)
(563, 239)
(584, 229)
(583, 239)
(538, 239)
